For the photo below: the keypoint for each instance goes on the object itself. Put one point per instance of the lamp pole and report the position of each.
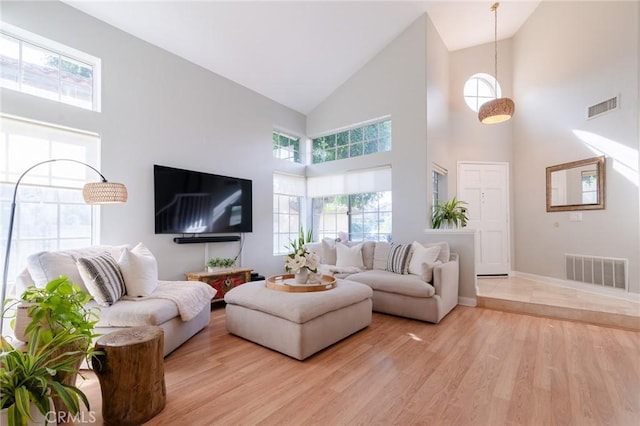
(3, 291)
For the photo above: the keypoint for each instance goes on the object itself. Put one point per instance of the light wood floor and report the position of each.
(477, 367)
(527, 296)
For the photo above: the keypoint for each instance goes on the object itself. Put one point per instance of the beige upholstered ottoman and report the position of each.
(297, 324)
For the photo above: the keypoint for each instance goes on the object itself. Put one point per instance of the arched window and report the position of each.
(480, 88)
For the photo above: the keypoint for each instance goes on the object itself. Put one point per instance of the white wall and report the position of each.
(568, 56)
(439, 146)
(394, 83)
(160, 109)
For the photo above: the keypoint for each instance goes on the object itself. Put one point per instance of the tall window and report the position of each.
(286, 147)
(44, 68)
(438, 184)
(364, 140)
(362, 217)
(288, 193)
(50, 211)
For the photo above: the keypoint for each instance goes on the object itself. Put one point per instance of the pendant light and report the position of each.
(499, 109)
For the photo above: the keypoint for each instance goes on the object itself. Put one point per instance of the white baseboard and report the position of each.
(467, 301)
(590, 288)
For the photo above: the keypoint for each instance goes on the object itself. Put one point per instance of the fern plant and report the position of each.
(450, 213)
(29, 377)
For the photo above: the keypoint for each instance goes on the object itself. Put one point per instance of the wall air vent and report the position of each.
(603, 271)
(602, 107)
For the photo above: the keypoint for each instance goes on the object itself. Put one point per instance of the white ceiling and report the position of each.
(297, 52)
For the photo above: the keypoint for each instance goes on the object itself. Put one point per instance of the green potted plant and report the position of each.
(59, 306)
(452, 213)
(217, 263)
(58, 313)
(28, 379)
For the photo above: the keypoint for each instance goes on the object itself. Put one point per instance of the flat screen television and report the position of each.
(190, 202)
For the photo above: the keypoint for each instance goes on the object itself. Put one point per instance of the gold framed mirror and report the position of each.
(578, 185)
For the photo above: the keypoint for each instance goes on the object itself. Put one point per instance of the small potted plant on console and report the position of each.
(219, 263)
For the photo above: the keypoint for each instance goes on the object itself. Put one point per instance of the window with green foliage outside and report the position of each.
(363, 217)
(356, 142)
(286, 147)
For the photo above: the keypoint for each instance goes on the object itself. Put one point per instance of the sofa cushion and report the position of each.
(329, 252)
(349, 256)
(140, 270)
(102, 277)
(381, 255)
(368, 250)
(427, 271)
(390, 282)
(420, 255)
(130, 313)
(398, 260)
(49, 265)
(445, 251)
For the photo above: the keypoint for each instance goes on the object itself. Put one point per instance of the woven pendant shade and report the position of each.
(496, 111)
(499, 109)
(104, 193)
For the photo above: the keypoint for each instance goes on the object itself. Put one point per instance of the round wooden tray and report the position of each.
(285, 282)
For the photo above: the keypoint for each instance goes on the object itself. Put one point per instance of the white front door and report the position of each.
(485, 188)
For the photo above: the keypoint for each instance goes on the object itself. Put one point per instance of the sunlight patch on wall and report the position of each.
(625, 159)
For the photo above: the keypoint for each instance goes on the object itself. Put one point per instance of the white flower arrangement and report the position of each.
(301, 258)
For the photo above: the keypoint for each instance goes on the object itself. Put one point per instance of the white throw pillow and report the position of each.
(349, 256)
(422, 255)
(139, 270)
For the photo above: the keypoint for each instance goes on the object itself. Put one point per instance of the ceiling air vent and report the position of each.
(602, 107)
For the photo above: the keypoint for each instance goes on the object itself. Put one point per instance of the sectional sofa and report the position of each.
(418, 281)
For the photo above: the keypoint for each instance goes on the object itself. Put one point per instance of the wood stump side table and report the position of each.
(131, 374)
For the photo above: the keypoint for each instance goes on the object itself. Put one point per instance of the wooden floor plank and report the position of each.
(477, 367)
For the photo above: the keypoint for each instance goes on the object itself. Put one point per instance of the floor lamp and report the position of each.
(103, 192)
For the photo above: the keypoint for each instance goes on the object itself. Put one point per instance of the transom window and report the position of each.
(286, 147)
(480, 88)
(41, 67)
(365, 140)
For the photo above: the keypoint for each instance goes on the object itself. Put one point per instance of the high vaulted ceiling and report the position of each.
(298, 52)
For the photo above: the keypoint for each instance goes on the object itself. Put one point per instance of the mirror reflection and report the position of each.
(578, 185)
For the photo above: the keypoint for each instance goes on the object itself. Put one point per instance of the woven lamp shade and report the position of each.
(496, 111)
(104, 193)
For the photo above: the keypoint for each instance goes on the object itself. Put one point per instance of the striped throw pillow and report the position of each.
(102, 277)
(398, 260)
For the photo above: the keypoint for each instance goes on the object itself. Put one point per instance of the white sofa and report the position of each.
(163, 309)
(404, 294)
